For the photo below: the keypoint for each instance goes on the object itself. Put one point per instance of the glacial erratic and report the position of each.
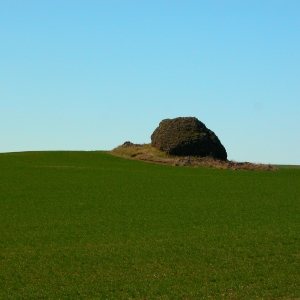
(187, 136)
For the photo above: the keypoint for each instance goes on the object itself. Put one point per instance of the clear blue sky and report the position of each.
(90, 75)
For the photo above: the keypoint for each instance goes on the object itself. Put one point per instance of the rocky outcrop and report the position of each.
(187, 136)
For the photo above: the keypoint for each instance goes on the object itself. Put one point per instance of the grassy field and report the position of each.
(88, 225)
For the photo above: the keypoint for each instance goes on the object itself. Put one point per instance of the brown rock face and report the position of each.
(187, 136)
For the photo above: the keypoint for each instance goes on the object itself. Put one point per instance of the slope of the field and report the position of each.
(88, 225)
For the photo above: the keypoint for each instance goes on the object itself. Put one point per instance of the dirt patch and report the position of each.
(145, 152)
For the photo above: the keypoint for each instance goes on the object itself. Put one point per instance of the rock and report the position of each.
(187, 136)
(129, 144)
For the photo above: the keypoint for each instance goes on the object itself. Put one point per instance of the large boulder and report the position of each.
(187, 136)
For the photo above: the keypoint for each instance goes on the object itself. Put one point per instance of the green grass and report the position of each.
(89, 225)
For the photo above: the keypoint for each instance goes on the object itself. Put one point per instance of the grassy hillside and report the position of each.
(89, 225)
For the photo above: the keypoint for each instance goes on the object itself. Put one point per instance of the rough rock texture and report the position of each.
(187, 136)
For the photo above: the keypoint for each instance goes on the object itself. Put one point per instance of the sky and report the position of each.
(90, 75)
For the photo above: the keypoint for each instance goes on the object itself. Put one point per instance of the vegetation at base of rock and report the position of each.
(145, 152)
(187, 136)
(89, 225)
